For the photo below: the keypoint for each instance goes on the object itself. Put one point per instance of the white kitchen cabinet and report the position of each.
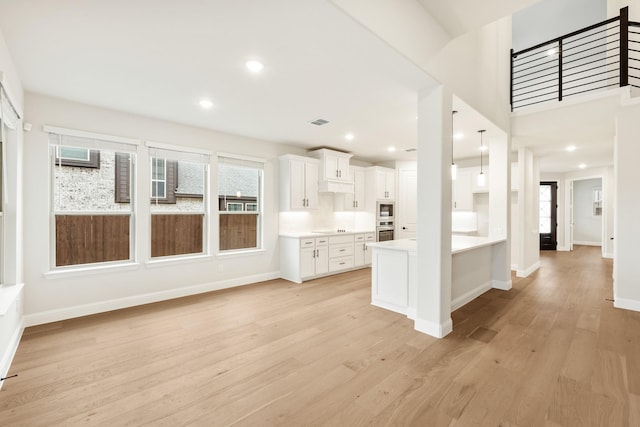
(462, 196)
(381, 183)
(353, 201)
(334, 171)
(298, 183)
(361, 252)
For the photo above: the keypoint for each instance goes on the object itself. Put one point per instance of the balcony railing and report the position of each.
(599, 57)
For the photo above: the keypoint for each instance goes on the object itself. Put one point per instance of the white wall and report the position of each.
(548, 19)
(11, 298)
(57, 297)
(626, 291)
(587, 228)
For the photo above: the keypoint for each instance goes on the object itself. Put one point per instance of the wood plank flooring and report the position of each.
(551, 352)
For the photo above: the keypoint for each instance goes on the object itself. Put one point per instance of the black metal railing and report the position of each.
(599, 57)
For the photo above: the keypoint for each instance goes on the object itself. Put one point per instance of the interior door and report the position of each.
(548, 215)
(408, 203)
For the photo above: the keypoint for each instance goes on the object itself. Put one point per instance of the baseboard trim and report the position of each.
(583, 243)
(503, 285)
(469, 296)
(562, 249)
(514, 267)
(438, 330)
(626, 304)
(10, 351)
(528, 271)
(608, 255)
(412, 313)
(389, 306)
(131, 301)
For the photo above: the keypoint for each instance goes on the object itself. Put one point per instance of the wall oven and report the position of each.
(384, 211)
(384, 231)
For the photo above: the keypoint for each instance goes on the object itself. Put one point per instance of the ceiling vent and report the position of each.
(409, 150)
(319, 122)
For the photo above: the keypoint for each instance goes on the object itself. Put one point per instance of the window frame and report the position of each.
(93, 160)
(252, 163)
(130, 146)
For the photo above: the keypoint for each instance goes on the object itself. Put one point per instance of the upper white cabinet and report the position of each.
(462, 196)
(353, 201)
(298, 183)
(383, 182)
(334, 175)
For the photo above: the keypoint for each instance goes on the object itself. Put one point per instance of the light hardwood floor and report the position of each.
(550, 352)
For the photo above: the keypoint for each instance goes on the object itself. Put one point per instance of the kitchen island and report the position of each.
(394, 280)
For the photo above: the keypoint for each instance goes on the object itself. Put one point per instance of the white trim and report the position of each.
(467, 297)
(131, 301)
(438, 330)
(514, 267)
(608, 255)
(233, 253)
(528, 271)
(584, 243)
(87, 269)
(90, 135)
(10, 351)
(170, 147)
(626, 304)
(8, 295)
(241, 157)
(412, 313)
(503, 285)
(176, 259)
(562, 249)
(389, 306)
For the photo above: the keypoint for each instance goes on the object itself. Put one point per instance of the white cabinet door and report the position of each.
(462, 195)
(343, 169)
(311, 185)
(322, 259)
(307, 262)
(389, 179)
(385, 182)
(297, 184)
(367, 255)
(355, 201)
(359, 254)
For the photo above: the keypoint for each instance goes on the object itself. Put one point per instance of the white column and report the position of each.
(433, 308)
(500, 209)
(529, 253)
(626, 288)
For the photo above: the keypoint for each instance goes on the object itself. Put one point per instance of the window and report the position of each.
(179, 204)
(239, 203)
(78, 157)
(92, 218)
(9, 234)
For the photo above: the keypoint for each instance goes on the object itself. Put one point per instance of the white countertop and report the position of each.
(302, 234)
(458, 244)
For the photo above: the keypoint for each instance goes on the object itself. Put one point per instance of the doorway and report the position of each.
(548, 215)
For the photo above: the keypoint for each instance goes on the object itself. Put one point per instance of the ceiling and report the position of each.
(159, 58)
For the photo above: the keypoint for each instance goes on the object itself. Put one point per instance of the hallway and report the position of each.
(550, 352)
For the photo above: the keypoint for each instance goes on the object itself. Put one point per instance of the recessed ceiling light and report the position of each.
(571, 148)
(391, 149)
(254, 66)
(349, 137)
(458, 136)
(582, 166)
(206, 104)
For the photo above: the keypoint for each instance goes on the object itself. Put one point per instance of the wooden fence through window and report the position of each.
(85, 239)
(176, 234)
(238, 231)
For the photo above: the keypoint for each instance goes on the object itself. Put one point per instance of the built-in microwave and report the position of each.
(384, 210)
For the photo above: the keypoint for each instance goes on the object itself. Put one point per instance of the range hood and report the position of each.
(334, 174)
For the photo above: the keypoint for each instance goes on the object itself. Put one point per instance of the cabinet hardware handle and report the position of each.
(342, 263)
(342, 250)
(337, 175)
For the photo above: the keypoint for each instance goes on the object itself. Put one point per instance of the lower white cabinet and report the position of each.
(303, 258)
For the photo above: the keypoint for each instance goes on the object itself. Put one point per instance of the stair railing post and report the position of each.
(560, 70)
(511, 80)
(624, 46)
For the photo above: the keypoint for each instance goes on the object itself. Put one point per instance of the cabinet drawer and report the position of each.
(340, 239)
(340, 250)
(307, 243)
(341, 263)
(322, 241)
(358, 238)
(369, 237)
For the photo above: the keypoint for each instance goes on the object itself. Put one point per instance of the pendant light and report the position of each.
(454, 168)
(482, 178)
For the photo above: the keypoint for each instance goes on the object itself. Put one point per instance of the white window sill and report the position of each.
(8, 295)
(167, 261)
(240, 253)
(63, 272)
